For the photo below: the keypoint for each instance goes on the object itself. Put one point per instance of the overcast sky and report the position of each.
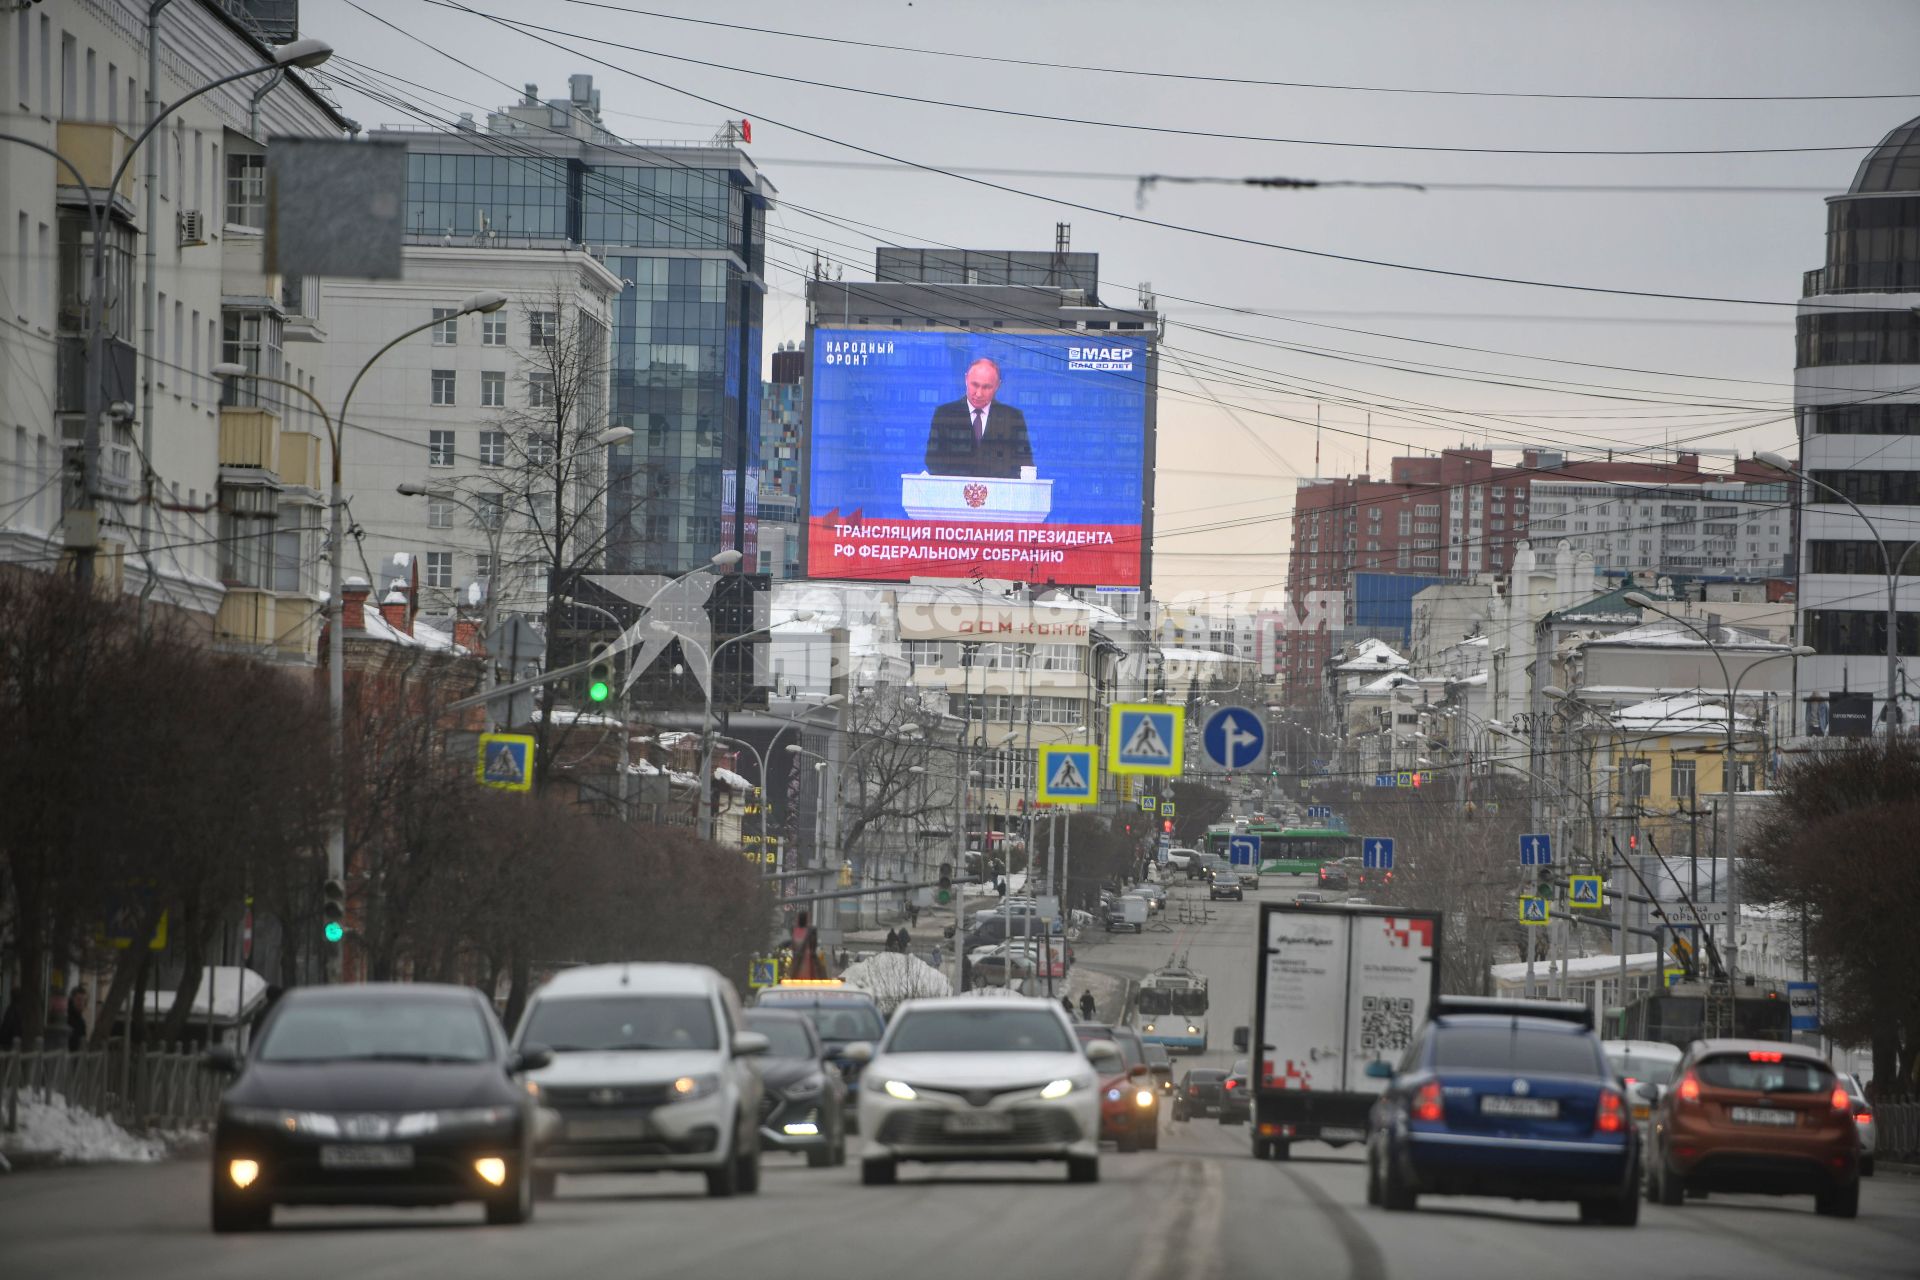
(1236, 411)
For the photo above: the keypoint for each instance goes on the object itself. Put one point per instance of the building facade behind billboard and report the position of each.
(1053, 485)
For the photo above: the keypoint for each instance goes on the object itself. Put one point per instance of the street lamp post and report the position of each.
(709, 657)
(1893, 564)
(336, 641)
(306, 53)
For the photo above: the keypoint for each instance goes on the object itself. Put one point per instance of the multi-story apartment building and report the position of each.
(1857, 388)
(470, 411)
(681, 227)
(228, 532)
(782, 407)
(1459, 514)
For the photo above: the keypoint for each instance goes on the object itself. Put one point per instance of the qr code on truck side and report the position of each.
(1386, 1023)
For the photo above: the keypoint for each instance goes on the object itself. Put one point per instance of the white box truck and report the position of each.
(1337, 988)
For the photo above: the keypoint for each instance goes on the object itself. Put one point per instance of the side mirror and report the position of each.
(1378, 1070)
(1140, 1072)
(1105, 1055)
(858, 1051)
(748, 1044)
(1240, 1039)
(221, 1058)
(1648, 1091)
(529, 1057)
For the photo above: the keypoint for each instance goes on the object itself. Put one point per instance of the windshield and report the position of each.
(979, 1031)
(1152, 1001)
(1641, 1065)
(1753, 1072)
(387, 1027)
(1507, 1048)
(571, 1024)
(844, 1024)
(786, 1038)
(1190, 1004)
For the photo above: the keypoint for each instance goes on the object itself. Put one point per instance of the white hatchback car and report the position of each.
(652, 1072)
(961, 1079)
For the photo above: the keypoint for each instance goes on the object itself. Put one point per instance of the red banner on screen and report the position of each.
(1071, 554)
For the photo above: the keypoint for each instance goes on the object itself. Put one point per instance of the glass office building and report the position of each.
(683, 225)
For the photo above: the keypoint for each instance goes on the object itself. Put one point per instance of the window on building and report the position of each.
(1682, 781)
(490, 510)
(543, 328)
(493, 448)
(921, 653)
(247, 523)
(439, 514)
(247, 191)
(1060, 657)
(292, 544)
(539, 448)
(1636, 779)
(539, 390)
(440, 569)
(439, 448)
(483, 567)
(446, 326)
(493, 390)
(493, 329)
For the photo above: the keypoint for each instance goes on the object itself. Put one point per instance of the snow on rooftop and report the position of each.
(1372, 655)
(731, 780)
(1196, 655)
(575, 716)
(1684, 713)
(672, 741)
(1673, 635)
(1578, 967)
(1387, 684)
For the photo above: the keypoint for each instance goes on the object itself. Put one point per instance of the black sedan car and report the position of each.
(378, 1093)
(803, 1100)
(1201, 1092)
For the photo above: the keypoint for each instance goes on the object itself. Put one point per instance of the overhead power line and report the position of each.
(1242, 80)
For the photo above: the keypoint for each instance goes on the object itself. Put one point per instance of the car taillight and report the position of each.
(1426, 1102)
(1864, 1117)
(1841, 1100)
(1193, 1091)
(1231, 1083)
(1612, 1116)
(1689, 1089)
(1763, 1055)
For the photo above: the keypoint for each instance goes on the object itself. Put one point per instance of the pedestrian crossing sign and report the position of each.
(1535, 911)
(763, 972)
(506, 761)
(1069, 774)
(1146, 738)
(1583, 892)
(1147, 803)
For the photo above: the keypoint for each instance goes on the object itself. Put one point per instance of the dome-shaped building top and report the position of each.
(1894, 165)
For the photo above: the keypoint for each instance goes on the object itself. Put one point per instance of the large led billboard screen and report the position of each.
(950, 454)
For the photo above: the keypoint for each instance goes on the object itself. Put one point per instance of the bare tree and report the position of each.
(888, 761)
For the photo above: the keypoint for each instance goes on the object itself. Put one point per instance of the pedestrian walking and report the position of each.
(1086, 1006)
(1066, 1002)
(913, 914)
(76, 1019)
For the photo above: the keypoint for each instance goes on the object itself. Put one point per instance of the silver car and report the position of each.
(1862, 1122)
(652, 1072)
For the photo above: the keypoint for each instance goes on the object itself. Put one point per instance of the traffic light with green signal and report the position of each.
(333, 909)
(598, 686)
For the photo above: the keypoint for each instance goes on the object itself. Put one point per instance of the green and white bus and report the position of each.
(1288, 851)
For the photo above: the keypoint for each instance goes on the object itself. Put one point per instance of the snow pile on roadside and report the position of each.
(891, 977)
(48, 1124)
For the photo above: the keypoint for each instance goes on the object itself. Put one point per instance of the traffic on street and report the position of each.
(1191, 1200)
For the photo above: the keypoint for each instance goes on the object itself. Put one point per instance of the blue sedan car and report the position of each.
(1508, 1098)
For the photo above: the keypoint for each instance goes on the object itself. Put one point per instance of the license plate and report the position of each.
(979, 1122)
(385, 1155)
(608, 1129)
(1763, 1115)
(1528, 1108)
(1343, 1135)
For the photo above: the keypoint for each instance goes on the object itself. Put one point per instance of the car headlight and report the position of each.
(1144, 1098)
(1192, 1030)
(1058, 1089)
(900, 1089)
(419, 1123)
(805, 1087)
(1149, 1026)
(687, 1088)
(1113, 1095)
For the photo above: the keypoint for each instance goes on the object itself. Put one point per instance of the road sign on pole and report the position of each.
(764, 971)
(1319, 812)
(1803, 1005)
(1584, 892)
(1376, 853)
(1166, 808)
(1536, 850)
(506, 761)
(1234, 738)
(1069, 774)
(1243, 850)
(1146, 738)
(1148, 804)
(1535, 911)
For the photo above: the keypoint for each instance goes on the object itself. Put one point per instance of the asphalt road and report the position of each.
(1198, 1209)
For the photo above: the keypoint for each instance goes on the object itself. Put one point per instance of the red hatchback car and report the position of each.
(1756, 1116)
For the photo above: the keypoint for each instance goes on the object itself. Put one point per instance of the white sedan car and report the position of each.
(959, 1079)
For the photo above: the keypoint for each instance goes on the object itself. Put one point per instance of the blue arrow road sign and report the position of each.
(1234, 738)
(1320, 811)
(1377, 852)
(1536, 850)
(1243, 851)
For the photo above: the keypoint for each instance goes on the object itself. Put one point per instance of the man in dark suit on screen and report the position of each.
(976, 436)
